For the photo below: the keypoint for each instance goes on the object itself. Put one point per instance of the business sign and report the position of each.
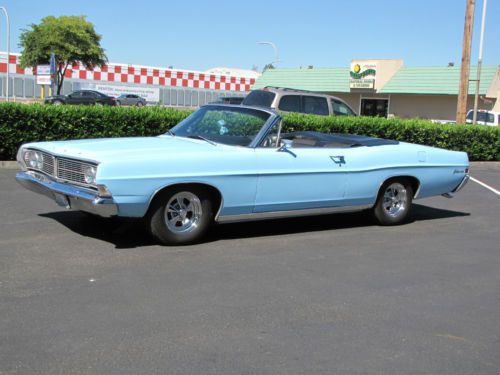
(43, 70)
(151, 94)
(43, 80)
(362, 75)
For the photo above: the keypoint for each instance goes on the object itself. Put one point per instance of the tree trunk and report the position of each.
(60, 77)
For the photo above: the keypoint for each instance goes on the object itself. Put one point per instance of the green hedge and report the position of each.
(479, 141)
(20, 123)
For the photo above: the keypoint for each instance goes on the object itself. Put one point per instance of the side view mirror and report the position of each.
(285, 146)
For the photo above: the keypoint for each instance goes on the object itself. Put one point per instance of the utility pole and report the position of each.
(465, 67)
(479, 61)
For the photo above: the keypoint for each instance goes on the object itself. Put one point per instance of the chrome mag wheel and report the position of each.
(395, 200)
(183, 212)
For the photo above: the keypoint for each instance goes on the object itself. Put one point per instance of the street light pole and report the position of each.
(479, 61)
(8, 51)
(276, 57)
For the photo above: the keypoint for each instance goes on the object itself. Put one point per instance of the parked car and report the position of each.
(130, 99)
(85, 97)
(290, 100)
(235, 100)
(483, 117)
(227, 163)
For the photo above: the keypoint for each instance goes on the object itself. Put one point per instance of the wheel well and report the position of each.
(413, 181)
(214, 193)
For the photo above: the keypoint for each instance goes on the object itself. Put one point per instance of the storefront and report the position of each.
(386, 88)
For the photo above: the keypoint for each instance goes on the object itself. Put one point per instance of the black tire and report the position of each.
(394, 202)
(139, 104)
(118, 103)
(57, 102)
(163, 223)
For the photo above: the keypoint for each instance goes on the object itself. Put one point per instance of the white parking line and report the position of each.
(486, 186)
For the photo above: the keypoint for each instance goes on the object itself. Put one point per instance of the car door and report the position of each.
(299, 178)
(315, 105)
(74, 98)
(88, 98)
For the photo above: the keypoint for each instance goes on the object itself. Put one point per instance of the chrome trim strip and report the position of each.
(462, 183)
(291, 213)
(79, 198)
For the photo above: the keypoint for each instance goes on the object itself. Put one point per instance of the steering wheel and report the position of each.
(270, 141)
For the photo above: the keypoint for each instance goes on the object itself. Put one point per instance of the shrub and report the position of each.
(21, 123)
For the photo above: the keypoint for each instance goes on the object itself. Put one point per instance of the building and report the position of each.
(166, 86)
(379, 87)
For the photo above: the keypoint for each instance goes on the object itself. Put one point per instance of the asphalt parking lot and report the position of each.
(323, 295)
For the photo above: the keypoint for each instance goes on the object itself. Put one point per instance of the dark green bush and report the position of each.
(21, 123)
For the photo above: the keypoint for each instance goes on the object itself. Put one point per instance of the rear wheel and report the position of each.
(57, 102)
(140, 104)
(180, 216)
(394, 202)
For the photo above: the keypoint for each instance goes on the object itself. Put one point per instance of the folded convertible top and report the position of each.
(316, 139)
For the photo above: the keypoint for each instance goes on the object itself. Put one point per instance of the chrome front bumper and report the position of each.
(459, 187)
(68, 196)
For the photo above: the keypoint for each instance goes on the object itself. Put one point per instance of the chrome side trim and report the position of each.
(291, 213)
(462, 184)
(464, 181)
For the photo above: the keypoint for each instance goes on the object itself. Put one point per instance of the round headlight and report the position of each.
(33, 159)
(39, 160)
(89, 172)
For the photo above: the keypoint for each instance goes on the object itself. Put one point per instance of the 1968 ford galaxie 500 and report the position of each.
(234, 163)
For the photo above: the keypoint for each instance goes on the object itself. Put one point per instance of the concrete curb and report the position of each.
(10, 164)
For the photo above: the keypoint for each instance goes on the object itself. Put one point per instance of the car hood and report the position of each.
(112, 148)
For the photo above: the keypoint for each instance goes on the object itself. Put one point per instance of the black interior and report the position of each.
(316, 139)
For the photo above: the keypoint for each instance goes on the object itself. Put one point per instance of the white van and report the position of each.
(484, 117)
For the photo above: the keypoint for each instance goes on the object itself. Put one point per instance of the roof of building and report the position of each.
(436, 80)
(315, 79)
(407, 80)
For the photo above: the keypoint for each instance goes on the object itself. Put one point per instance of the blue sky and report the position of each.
(204, 34)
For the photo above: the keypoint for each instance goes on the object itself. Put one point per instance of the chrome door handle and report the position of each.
(339, 160)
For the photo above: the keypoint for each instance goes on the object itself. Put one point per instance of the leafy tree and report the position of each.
(268, 66)
(71, 38)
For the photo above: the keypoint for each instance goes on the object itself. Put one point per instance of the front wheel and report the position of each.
(394, 202)
(180, 216)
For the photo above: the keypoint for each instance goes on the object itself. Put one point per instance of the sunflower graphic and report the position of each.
(357, 68)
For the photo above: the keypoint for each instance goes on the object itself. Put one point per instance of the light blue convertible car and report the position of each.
(234, 163)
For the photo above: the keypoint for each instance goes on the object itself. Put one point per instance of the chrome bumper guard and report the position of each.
(464, 181)
(68, 196)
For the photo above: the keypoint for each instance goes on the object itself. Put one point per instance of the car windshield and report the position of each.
(481, 116)
(227, 125)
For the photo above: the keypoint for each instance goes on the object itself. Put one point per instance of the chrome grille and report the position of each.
(48, 163)
(65, 169)
(71, 170)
